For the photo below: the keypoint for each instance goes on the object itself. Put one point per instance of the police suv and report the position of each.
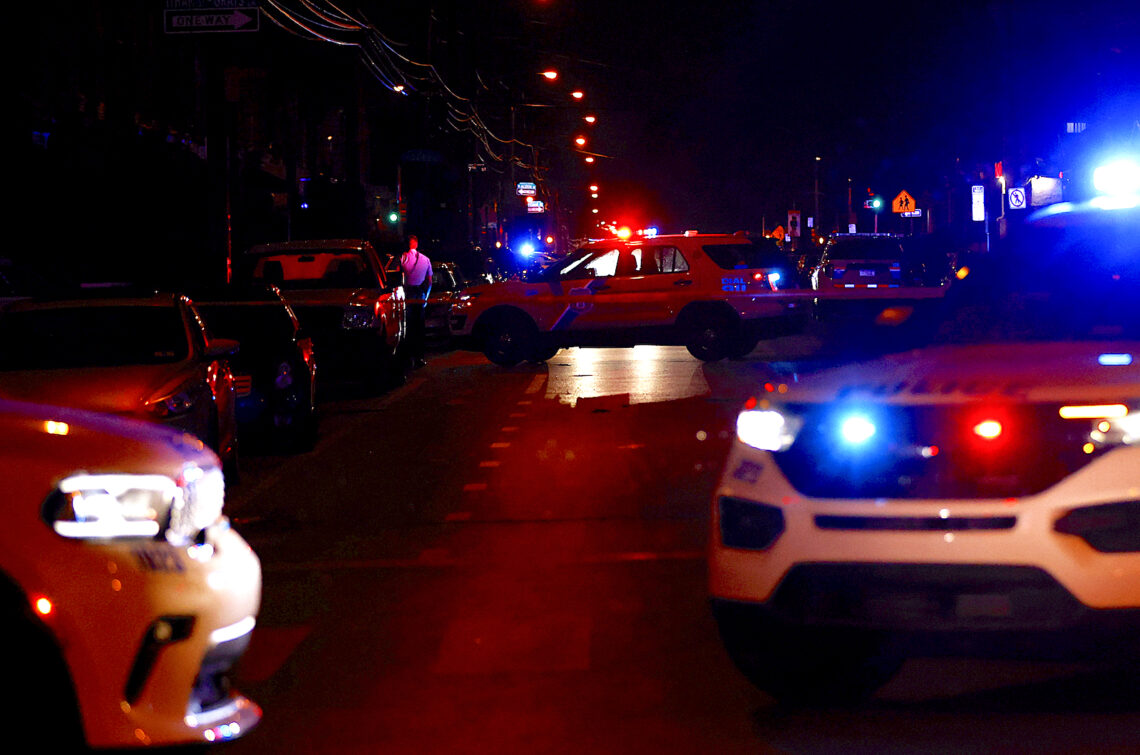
(717, 294)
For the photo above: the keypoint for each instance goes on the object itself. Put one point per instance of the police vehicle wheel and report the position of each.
(543, 354)
(510, 340)
(744, 345)
(709, 336)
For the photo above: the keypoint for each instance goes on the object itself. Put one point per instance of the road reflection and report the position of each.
(653, 374)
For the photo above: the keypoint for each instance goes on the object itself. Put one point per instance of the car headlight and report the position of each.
(177, 402)
(112, 506)
(767, 428)
(359, 316)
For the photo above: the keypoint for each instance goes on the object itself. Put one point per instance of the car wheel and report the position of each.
(744, 344)
(808, 667)
(544, 354)
(510, 339)
(46, 702)
(710, 335)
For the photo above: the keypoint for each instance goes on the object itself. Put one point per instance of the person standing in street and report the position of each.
(417, 285)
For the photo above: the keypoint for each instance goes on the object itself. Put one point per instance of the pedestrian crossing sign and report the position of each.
(903, 203)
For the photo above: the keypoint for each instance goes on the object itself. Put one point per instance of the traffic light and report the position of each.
(392, 215)
(874, 203)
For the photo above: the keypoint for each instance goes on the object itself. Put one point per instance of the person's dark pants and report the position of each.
(416, 305)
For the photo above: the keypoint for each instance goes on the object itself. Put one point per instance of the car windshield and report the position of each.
(91, 336)
(588, 263)
(327, 268)
(878, 250)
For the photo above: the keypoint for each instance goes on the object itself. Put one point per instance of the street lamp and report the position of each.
(591, 119)
(580, 141)
(577, 94)
(549, 75)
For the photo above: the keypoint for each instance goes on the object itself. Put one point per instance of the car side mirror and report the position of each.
(222, 347)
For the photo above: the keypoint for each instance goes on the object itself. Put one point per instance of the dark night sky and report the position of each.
(711, 113)
(720, 108)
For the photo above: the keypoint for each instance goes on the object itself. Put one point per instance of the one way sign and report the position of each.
(207, 16)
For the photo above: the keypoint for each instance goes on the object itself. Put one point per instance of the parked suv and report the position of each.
(717, 294)
(346, 298)
(876, 261)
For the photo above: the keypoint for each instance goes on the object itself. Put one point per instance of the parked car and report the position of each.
(869, 261)
(275, 373)
(125, 596)
(145, 356)
(716, 294)
(448, 282)
(348, 301)
(976, 497)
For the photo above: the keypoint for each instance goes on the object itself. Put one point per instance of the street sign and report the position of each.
(526, 189)
(536, 206)
(1017, 198)
(912, 213)
(197, 16)
(978, 203)
(903, 203)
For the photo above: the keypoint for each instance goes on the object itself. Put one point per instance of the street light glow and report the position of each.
(577, 95)
(589, 159)
(593, 187)
(591, 119)
(580, 141)
(550, 75)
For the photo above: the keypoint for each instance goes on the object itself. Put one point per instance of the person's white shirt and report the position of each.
(416, 267)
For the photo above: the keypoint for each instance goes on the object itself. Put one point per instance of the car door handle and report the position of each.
(683, 283)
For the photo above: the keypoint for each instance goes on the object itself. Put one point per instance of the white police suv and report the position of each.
(978, 496)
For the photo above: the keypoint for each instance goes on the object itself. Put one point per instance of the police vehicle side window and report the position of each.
(668, 259)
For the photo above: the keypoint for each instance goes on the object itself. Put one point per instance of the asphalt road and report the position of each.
(512, 561)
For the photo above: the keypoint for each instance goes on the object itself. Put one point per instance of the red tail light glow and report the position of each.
(989, 429)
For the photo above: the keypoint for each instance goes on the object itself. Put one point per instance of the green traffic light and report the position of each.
(393, 217)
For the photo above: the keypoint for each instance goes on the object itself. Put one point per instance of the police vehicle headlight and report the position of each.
(115, 506)
(767, 429)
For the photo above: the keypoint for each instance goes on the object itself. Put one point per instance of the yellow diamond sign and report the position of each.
(903, 203)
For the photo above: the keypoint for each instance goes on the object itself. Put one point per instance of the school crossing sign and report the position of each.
(903, 203)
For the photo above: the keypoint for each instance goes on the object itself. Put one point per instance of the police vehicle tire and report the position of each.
(805, 668)
(709, 333)
(509, 338)
(543, 353)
